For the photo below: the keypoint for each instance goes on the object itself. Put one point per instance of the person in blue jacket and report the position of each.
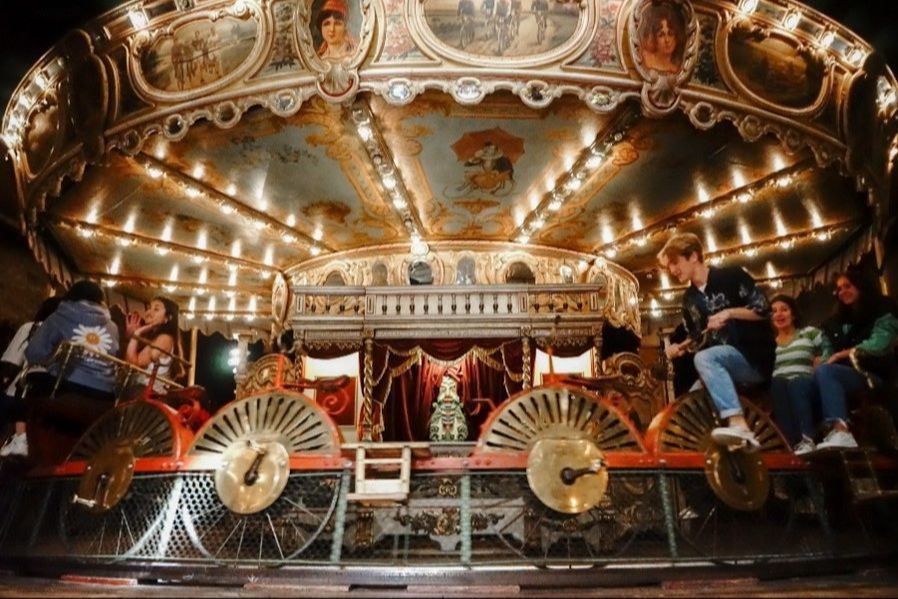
(82, 317)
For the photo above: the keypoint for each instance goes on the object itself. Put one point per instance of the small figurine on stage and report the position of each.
(448, 423)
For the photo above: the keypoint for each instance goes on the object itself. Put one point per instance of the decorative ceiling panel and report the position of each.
(476, 171)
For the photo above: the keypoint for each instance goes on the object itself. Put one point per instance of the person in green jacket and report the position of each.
(865, 320)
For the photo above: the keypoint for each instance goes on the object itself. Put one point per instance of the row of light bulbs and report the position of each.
(590, 159)
(389, 175)
(656, 310)
(211, 311)
(704, 209)
(785, 242)
(854, 54)
(164, 246)
(230, 206)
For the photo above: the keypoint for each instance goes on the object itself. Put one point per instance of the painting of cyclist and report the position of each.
(501, 27)
(466, 24)
(516, 16)
(540, 10)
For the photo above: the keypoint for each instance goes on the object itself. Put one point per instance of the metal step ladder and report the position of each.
(374, 462)
(863, 480)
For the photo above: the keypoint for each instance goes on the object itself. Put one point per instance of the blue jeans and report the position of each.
(720, 368)
(835, 382)
(793, 405)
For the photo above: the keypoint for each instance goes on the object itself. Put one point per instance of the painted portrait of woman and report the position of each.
(662, 37)
(335, 42)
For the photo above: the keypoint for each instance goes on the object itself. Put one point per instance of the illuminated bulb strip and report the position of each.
(819, 234)
(176, 286)
(750, 249)
(707, 209)
(226, 315)
(385, 167)
(195, 188)
(148, 242)
(589, 160)
(668, 294)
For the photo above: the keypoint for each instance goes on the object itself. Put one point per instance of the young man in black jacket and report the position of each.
(728, 317)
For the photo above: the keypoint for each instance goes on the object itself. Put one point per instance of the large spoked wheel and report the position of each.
(109, 514)
(726, 496)
(686, 425)
(558, 412)
(566, 434)
(252, 509)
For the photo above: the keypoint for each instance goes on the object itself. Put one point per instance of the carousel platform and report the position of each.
(849, 580)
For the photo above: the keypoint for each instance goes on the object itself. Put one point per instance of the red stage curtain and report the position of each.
(407, 376)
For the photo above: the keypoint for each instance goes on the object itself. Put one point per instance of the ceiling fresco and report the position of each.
(440, 147)
(231, 142)
(308, 169)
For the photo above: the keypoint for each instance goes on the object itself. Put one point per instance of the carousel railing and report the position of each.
(434, 307)
(125, 372)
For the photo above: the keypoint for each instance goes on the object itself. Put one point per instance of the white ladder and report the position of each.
(383, 457)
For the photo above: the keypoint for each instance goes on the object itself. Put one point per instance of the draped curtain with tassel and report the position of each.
(407, 376)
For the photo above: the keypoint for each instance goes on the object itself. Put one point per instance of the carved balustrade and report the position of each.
(478, 310)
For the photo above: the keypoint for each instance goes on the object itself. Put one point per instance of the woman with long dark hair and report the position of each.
(864, 321)
(155, 339)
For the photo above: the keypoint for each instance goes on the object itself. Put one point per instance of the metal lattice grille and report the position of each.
(479, 519)
(787, 525)
(291, 528)
(132, 527)
(628, 523)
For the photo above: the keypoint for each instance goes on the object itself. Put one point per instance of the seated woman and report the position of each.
(792, 387)
(153, 340)
(864, 320)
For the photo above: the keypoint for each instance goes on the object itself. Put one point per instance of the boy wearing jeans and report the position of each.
(726, 313)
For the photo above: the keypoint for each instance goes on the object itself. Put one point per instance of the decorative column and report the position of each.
(299, 354)
(663, 344)
(368, 392)
(243, 339)
(191, 374)
(597, 340)
(527, 381)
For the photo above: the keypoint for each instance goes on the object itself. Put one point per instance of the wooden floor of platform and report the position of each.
(875, 582)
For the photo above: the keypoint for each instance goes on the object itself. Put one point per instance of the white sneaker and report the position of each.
(838, 440)
(16, 445)
(735, 436)
(805, 446)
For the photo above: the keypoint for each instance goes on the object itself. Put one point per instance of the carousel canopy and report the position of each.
(207, 149)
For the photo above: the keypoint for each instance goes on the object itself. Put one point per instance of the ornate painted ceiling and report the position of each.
(200, 148)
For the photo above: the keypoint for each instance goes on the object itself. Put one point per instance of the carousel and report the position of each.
(441, 218)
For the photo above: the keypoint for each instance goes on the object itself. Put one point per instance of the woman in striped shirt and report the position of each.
(794, 392)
